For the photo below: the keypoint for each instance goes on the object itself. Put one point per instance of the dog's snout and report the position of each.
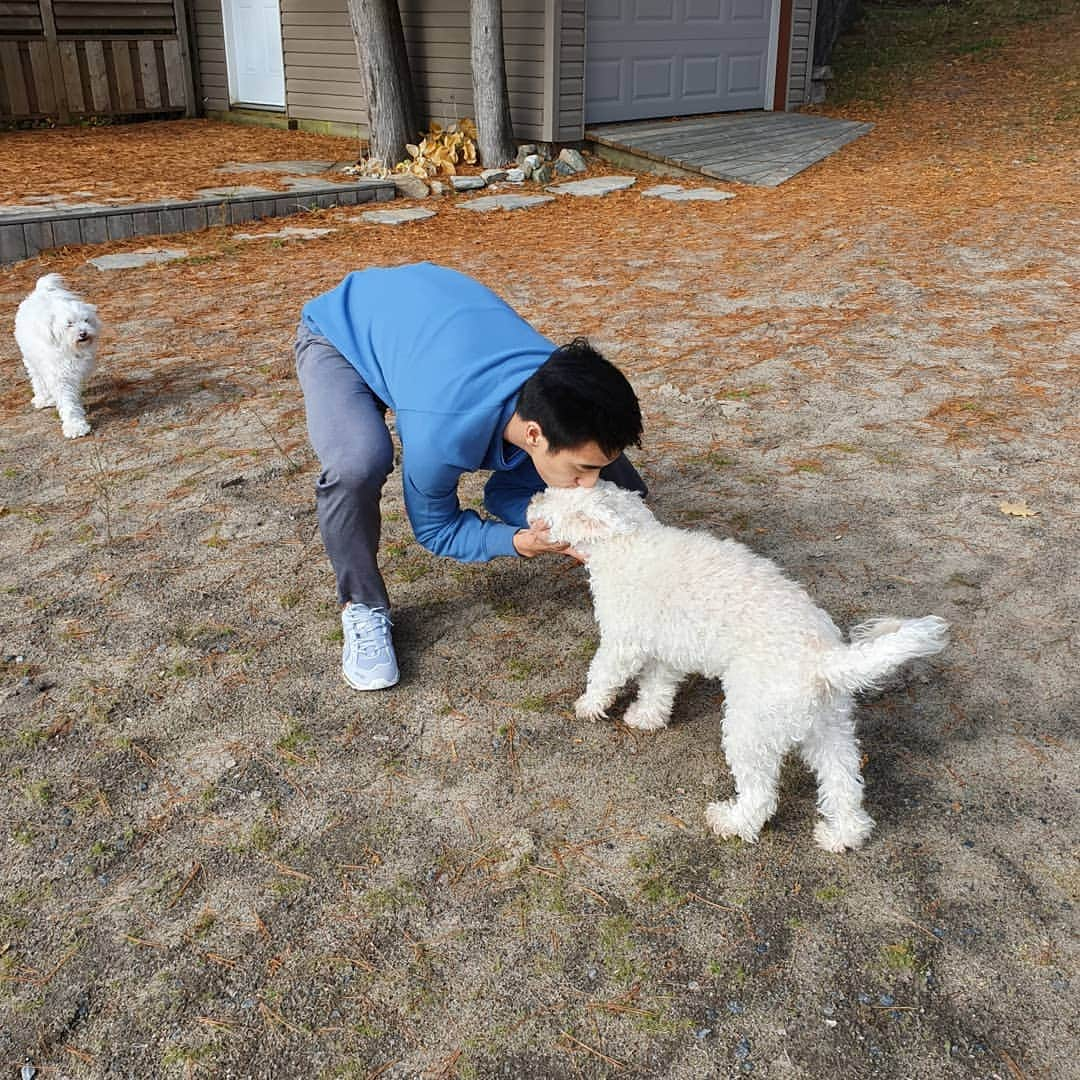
(84, 335)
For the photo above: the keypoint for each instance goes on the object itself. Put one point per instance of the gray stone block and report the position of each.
(145, 223)
(66, 232)
(171, 221)
(95, 230)
(12, 243)
(240, 211)
(39, 236)
(194, 218)
(120, 226)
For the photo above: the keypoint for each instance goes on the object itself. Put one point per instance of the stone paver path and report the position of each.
(129, 260)
(290, 232)
(486, 203)
(397, 217)
(675, 193)
(596, 185)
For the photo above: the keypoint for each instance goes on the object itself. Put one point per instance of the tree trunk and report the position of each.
(384, 64)
(491, 101)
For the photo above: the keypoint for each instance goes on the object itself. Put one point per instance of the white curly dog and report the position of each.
(670, 602)
(57, 334)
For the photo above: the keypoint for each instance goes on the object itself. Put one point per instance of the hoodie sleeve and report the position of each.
(507, 493)
(440, 524)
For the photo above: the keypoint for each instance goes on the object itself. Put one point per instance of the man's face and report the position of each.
(577, 467)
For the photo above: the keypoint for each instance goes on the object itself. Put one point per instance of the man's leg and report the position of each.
(347, 428)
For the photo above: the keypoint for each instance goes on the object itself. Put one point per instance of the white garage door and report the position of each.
(647, 58)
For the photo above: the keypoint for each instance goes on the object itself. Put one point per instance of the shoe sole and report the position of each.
(381, 684)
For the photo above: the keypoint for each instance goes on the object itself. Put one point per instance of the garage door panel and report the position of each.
(647, 58)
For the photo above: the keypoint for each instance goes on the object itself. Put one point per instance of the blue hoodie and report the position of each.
(449, 357)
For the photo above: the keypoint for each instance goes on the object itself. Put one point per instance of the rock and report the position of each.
(515, 176)
(573, 159)
(487, 203)
(563, 169)
(397, 217)
(438, 187)
(493, 176)
(597, 185)
(467, 183)
(532, 163)
(409, 186)
(544, 175)
(525, 151)
(128, 260)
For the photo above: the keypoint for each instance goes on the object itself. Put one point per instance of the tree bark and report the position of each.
(393, 119)
(491, 100)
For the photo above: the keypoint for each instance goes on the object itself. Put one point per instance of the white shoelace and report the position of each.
(369, 629)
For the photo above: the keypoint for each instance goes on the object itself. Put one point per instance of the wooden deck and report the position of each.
(763, 148)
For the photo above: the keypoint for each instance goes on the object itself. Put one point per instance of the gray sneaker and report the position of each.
(368, 661)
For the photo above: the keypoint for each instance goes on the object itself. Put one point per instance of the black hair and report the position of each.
(578, 397)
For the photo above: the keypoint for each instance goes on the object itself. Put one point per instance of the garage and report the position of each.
(650, 58)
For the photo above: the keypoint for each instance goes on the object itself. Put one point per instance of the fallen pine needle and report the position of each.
(591, 1050)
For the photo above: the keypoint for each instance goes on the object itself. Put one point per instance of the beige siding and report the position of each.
(571, 71)
(802, 52)
(437, 37)
(322, 75)
(209, 49)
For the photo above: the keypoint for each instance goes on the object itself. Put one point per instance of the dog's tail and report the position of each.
(50, 282)
(879, 647)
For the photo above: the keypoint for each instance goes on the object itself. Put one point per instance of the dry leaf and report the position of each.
(1017, 509)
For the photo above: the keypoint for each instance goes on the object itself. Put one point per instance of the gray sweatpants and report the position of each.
(347, 428)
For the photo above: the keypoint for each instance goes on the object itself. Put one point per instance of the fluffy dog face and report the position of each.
(74, 325)
(584, 516)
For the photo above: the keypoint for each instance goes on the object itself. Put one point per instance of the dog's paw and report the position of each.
(39, 402)
(642, 719)
(588, 708)
(76, 429)
(725, 822)
(839, 837)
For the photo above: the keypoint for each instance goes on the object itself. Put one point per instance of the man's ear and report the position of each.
(534, 434)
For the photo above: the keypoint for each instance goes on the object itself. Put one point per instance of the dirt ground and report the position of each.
(219, 861)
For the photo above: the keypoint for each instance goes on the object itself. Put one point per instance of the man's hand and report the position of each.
(535, 540)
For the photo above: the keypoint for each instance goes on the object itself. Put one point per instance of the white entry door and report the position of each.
(646, 58)
(253, 52)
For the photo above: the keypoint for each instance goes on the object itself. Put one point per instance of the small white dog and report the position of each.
(670, 602)
(57, 334)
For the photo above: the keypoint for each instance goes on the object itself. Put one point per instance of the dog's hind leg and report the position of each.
(613, 665)
(830, 749)
(657, 685)
(43, 397)
(756, 738)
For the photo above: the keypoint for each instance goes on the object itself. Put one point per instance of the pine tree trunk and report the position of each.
(393, 119)
(491, 101)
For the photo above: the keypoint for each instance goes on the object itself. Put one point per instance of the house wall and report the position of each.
(322, 74)
(209, 49)
(570, 72)
(437, 38)
(802, 52)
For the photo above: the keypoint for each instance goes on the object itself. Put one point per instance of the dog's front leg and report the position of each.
(613, 665)
(72, 417)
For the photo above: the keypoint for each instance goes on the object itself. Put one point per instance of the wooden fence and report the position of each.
(67, 59)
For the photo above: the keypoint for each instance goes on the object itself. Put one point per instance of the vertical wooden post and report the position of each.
(56, 74)
(182, 36)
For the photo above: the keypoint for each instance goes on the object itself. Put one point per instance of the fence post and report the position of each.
(52, 47)
(180, 16)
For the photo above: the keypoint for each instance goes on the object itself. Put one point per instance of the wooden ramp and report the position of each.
(763, 148)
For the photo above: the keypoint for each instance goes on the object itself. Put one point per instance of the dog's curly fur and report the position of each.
(670, 602)
(57, 334)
